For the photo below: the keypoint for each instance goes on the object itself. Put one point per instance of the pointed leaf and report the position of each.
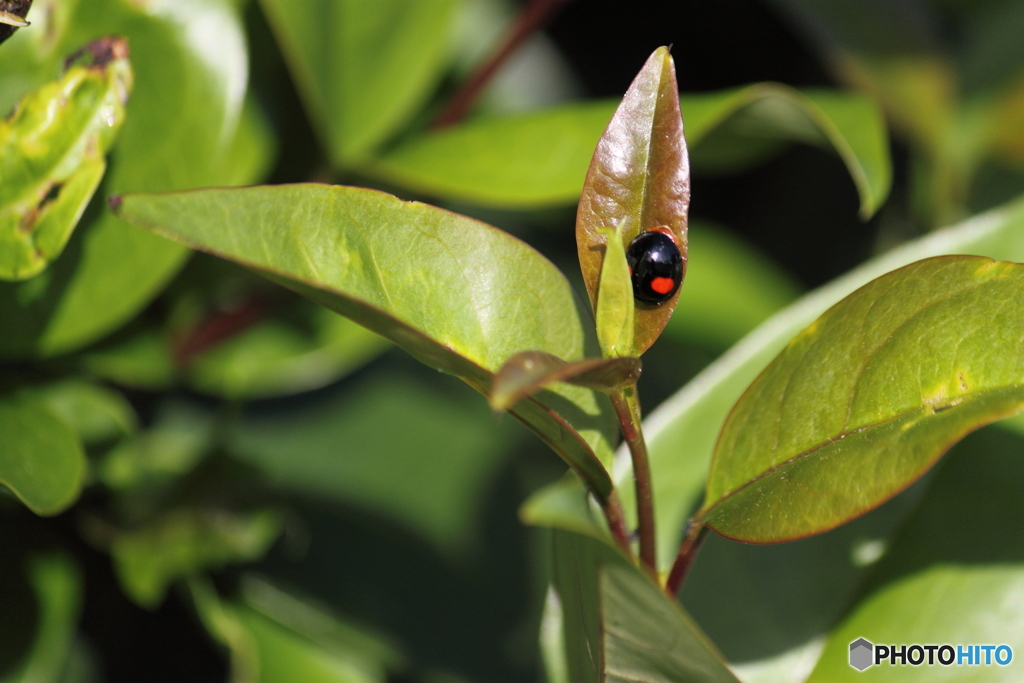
(51, 156)
(540, 158)
(433, 282)
(639, 180)
(362, 68)
(41, 458)
(526, 373)
(615, 306)
(12, 17)
(181, 120)
(864, 400)
(618, 626)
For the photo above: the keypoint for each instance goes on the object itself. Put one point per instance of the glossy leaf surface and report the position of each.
(955, 573)
(41, 458)
(619, 626)
(431, 281)
(182, 117)
(540, 158)
(52, 151)
(865, 400)
(363, 69)
(526, 373)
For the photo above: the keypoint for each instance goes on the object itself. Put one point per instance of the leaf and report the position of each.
(274, 637)
(528, 372)
(615, 310)
(274, 358)
(955, 572)
(730, 289)
(183, 542)
(12, 17)
(182, 118)
(362, 69)
(539, 159)
(639, 180)
(389, 444)
(431, 281)
(868, 397)
(619, 626)
(142, 361)
(41, 459)
(58, 588)
(51, 156)
(94, 412)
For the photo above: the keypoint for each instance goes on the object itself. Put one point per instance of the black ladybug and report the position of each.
(656, 266)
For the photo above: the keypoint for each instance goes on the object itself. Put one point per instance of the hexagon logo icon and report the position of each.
(861, 654)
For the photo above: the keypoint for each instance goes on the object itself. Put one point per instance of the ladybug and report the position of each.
(655, 265)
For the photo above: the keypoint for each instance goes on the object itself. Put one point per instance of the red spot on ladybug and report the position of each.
(655, 265)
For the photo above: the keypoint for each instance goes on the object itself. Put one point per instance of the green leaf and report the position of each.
(955, 572)
(143, 361)
(389, 444)
(429, 280)
(362, 69)
(58, 588)
(41, 458)
(615, 309)
(868, 397)
(275, 638)
(730, 289)
(540, 158)
(181, 120)
(94, 412)
(51, 156)
(638, 180)
(274, 358)
(526, 373)
(619, 626)
(13, 17)
(681, 432)
(183, 542)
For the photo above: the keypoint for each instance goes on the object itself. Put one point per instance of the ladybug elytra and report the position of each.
(655, 265)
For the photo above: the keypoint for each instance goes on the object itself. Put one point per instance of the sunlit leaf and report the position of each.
(619, 626)
(429, 280)
(362, 68)
(185, 541)
(529, 371)
(865, 399)
(12, 17)
(540, 158)
(181, 120)
(638, 180)
(52, 151)
(41, 458)
(615, 308)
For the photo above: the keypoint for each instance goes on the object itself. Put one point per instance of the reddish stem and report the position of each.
(616, 522)
(535, 13)
(695, 534)
(220, 327)
(627, 409)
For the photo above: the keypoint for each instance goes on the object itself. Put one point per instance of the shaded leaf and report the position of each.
(142, 361)
(183, 542)
(955, 573)
(94, 412)
(429, 280)
(406, 451)
(865, 400)
(181, 120)
(528, 372)
(540, 158)
(58, 589)
(51, 156)
(362, 69)
(638, 180)
(619, 626)
(41, 458)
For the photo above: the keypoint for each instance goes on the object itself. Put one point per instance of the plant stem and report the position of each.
(616, 522)
(535, 13)
(692, 539)
(627, 407)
